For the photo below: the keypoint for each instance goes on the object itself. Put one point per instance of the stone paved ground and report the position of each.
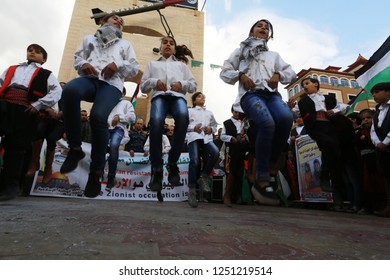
(45, 228)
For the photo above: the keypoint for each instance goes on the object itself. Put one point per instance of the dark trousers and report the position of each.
(324, 133)
(18, 128)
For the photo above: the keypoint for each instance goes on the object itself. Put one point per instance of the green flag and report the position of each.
(376, 70)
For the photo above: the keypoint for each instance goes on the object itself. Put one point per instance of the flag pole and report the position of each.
(135, 92)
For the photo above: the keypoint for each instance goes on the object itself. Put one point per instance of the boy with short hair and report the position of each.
(380, 137)
(322, 115)
(25, 89)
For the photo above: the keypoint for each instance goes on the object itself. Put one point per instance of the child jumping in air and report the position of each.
(259, 71)
(170, 79)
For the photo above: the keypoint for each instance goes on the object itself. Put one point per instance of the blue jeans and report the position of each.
(116, 136)
(161, 106)
(274, 120)
(210, 154)
(104, 98)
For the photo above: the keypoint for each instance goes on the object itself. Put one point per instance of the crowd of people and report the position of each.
(252, 146)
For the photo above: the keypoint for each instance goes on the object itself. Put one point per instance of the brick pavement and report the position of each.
(65, 229)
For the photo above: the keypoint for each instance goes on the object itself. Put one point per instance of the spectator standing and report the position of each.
(86, 135)
(200, 132)
(137, 138)
(380, 136)
(235, 138)
(25, 89)
(118, 120)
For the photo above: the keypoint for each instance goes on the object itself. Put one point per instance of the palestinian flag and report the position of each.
(376, 70)
(133, 99)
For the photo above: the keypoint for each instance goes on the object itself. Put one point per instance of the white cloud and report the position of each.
(228, 5)
(41, 22)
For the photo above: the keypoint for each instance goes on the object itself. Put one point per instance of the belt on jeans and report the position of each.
(321, 116)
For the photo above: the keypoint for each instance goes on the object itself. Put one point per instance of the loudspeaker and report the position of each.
(218, 188)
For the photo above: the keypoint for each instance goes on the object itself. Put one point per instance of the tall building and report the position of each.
(144, 31)
(341, 84)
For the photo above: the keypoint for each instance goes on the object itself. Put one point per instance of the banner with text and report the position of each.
(132, 178)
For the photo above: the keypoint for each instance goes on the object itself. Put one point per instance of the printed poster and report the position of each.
(308, 158)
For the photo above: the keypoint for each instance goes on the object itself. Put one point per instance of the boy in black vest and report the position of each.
(235, 138)
(380, 137)
(320, 114)
(25, 89)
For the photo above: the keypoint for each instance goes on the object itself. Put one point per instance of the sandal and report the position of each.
(267, 191)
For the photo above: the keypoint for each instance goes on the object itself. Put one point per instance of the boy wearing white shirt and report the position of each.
(320, 114)
(380, 137)
(25, 89)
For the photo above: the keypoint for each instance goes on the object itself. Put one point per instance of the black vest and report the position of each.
(382, 131)
(307, 109)
(38, 87)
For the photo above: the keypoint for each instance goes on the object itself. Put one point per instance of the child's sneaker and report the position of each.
(203, 182)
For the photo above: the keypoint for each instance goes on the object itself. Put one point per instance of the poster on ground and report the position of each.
(308, 158)
(132, 178)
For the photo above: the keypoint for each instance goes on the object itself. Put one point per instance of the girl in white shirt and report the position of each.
(103, 61)
(169, 79)
(118, 120)
(200, 133)
(259, 72)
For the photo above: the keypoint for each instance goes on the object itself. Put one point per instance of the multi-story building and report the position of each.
(341, 84)
(144, 31)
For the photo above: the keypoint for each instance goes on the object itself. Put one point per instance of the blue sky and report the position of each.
(307, 34)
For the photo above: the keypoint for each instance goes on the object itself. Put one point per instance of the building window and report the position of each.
(354, 84)
(324, 79)
(351, 97)
(332, 94)
(344, 82)
(314, 76)
(334, 81)
(290, 93)
(296, 89)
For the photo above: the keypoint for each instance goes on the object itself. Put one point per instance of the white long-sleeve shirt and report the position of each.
(22, 78)
(319, 102)
(125, 111)
(205, 118)
(383, 109)
(239, 127)
(166, 145)
(170, 70)
(260, 70)
(121, 53)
